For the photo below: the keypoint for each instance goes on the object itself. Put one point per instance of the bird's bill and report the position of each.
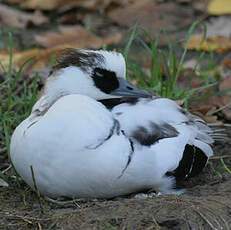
(126, 89)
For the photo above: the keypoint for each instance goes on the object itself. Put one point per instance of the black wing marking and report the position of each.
(153, 133)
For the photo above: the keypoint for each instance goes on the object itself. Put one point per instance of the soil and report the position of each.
(206, 204)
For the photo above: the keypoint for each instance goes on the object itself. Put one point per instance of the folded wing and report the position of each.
(180, 140)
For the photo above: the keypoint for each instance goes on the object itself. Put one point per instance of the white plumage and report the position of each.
(77, 147)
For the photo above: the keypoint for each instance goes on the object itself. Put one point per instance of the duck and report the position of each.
(93, 134)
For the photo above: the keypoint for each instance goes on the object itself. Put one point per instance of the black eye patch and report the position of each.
(105, 80)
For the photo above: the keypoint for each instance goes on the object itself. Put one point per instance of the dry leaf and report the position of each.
(200, 5)
(227, 63)
(216, 43)
(202, 111)
(209, 108)
(210, 118)
(191, 64)
(219, 7)
(41, 58)
(222, 104)
(152, 16)
(68, 4)
(219, 26)
(37, 60)
(189, 79)
(16, 18)
(19, 58)
(75, 36)
(226, 109)
(218, 36)
(14, 1)
(67, 37)
(225, 84)
(225, 67)
(184, 1)
(45, 5)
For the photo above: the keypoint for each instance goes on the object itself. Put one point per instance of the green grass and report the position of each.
(165, 68)
(18, 94)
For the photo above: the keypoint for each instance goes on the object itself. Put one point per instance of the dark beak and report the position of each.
(126, 89)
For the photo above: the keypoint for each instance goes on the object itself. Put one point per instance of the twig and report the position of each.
(66, 202)
(36, 189)
(7, 169)
(219, 124)
(27, 218)
(204, 218)
(39, 226)
(2, 150)
(218, 110)
(216, 218)
(219, 157)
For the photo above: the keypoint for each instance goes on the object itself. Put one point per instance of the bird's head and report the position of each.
(97, 74)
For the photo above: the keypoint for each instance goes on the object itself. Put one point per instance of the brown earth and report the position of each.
(206, 204)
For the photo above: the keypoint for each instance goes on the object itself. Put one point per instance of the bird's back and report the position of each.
(180, 140)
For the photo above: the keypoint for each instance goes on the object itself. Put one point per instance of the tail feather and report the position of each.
(200, 161)
(191, 164)
(185, 165)
(219, 133)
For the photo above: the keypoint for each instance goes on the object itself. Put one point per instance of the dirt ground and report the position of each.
(205, 205)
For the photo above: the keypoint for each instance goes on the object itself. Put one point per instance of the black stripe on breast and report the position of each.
(110, 103)
(153, 133)
(115, 129)
(129, 156)
(191, 164)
